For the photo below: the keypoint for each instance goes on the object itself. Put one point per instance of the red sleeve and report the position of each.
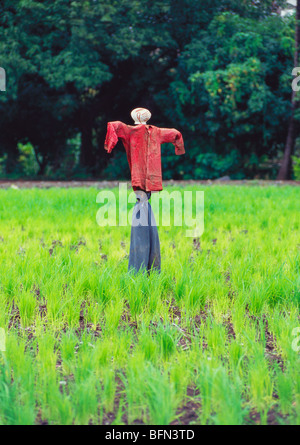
(174, 137)
(115, 130)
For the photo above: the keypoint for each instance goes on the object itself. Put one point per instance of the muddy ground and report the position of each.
(112, 184)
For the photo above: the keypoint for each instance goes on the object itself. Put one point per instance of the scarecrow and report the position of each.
(142, 143)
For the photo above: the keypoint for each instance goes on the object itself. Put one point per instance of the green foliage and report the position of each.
(230, 88)
(213, 165)
(296, 167)
(27, 160)
(217, 71)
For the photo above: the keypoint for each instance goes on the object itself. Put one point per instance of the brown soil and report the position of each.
(273, 417)
(189, 411)
(112, 184)
(270, 348)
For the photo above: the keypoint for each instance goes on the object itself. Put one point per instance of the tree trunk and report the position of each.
(285, 169)
(10, 148)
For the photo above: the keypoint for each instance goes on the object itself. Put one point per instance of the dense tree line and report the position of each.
(220, 71)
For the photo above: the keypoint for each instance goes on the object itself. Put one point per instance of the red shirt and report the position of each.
(142, 144)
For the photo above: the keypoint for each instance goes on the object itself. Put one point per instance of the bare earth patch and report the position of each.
(112, 184)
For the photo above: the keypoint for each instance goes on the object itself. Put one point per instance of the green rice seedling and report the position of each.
(113, 312)
(260, 385)
(57, 408)
(100, 286)
(284, 325)
(220, 309)
(198, 344)
(7, 394)
(108, 389)
(67, 347)
(55, 308)
(94, 312)
(236, 356)
(257, 297)
(85, 358)
(294, 371)
(204, 381)
(147, 346)
(133, 379)
(216, 337)
(167, 337)
(295, 419)
(17, 384)
(103, 354)
(238, 314)
(4, 307)
(155, 293)
(122, 342)
(119, 413)
(159, 396)
(227, 398)
(181, 288)
(84, 400)
(16, 407)
(71, 310)
(249, 338)
(136, 293)
(285, 385)
(63, 408)
(194, 298)
(27, 307)
(46, 360)
(180, 376)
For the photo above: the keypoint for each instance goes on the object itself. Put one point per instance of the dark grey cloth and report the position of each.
(144, 240)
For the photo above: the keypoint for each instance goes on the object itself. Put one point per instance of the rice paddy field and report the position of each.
(213, 339)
